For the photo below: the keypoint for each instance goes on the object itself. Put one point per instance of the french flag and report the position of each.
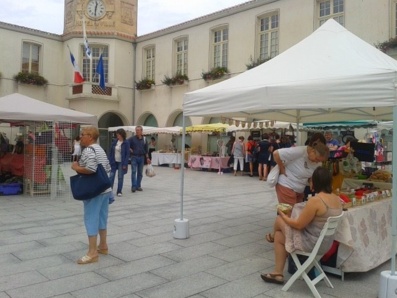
(78, 77)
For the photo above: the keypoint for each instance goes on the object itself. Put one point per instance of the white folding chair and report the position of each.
(313, 259)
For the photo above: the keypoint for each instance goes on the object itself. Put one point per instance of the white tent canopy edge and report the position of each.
(331, 75)
(17, 107)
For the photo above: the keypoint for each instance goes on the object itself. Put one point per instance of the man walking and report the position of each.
(139, 151)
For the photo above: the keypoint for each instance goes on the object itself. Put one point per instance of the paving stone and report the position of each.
(183, 287)
(240, 239)
(58, 286)
(189, 267)
(49, 250)
(30, 265)
(20, 280)
(194, 251)
(31, 237)
(240, 268)
(147, 251)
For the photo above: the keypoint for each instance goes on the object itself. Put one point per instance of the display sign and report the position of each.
(363, 151)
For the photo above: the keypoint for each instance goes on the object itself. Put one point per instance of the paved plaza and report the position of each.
(41, 239)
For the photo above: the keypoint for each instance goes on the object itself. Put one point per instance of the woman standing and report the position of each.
(238, 152)
(118, 158)
(264, 150)
(96, 209)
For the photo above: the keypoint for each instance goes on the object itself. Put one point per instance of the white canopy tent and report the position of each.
(148, 130)
(21, 110)
(331, 75)
(17, 107)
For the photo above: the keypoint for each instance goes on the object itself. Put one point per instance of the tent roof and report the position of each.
(17, 107)
(331, 75)
(148, 130)
(212, 127)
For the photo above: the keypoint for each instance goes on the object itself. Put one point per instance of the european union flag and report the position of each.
(101, 72)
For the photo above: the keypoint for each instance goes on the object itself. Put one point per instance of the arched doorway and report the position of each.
(107, 120)
(150, 121)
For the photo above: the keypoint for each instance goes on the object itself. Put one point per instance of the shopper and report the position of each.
(96, 209)
(118, 158)
(139, 152)
(238, 152)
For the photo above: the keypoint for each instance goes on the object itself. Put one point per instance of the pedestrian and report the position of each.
(76, 149)
(139, 152)
(96, 209)
(152, 147)
(238, 152)
(118, 158)
(264, 150)
(251, 151)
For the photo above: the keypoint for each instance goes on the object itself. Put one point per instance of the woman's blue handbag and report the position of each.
(88, 186)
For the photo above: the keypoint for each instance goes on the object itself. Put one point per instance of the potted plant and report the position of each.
(215, 73)
(253, 63)
(30, 78)
(178, 79)
(386, 45)
(144, 84)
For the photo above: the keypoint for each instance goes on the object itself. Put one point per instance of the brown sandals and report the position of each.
(273, 278)
(269, 238)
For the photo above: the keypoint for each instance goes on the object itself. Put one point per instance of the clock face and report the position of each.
(96, 9)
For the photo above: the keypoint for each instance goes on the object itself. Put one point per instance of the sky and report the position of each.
(153, 15)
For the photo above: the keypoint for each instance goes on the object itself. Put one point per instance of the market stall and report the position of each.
(44, 136)
(355, 82)
(208, 162)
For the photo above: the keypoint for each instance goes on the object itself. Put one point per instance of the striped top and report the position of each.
(91, 156)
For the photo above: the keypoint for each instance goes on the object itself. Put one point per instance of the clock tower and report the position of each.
(102, 18)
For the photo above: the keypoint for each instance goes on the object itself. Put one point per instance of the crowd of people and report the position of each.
(299, 166)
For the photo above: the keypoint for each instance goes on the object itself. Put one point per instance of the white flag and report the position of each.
(86, 45)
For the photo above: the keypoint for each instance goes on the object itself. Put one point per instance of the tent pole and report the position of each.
(183, 163)
(181, 225)
(394, 194)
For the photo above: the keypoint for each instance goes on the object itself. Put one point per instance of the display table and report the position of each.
(165, 158)
(364, 234)
(208, 162)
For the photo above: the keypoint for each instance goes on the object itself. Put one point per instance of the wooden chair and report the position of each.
(313, 259)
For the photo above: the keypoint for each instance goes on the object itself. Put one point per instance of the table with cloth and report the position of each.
(364, 236)
(208, 162)
(165, 158)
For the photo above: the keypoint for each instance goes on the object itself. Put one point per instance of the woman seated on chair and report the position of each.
(302, 233)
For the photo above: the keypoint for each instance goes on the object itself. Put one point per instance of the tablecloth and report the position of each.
(208, 162)
(165, 158)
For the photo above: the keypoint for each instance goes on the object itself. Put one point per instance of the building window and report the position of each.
(268, 36)
(220, 47)
(31, 57)
(89, 66)
(149, 63)
(181, 56)
(331, 9)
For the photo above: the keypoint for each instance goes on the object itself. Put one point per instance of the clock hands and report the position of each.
(96, 6)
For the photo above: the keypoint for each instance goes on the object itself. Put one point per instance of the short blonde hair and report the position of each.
(92, 131)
